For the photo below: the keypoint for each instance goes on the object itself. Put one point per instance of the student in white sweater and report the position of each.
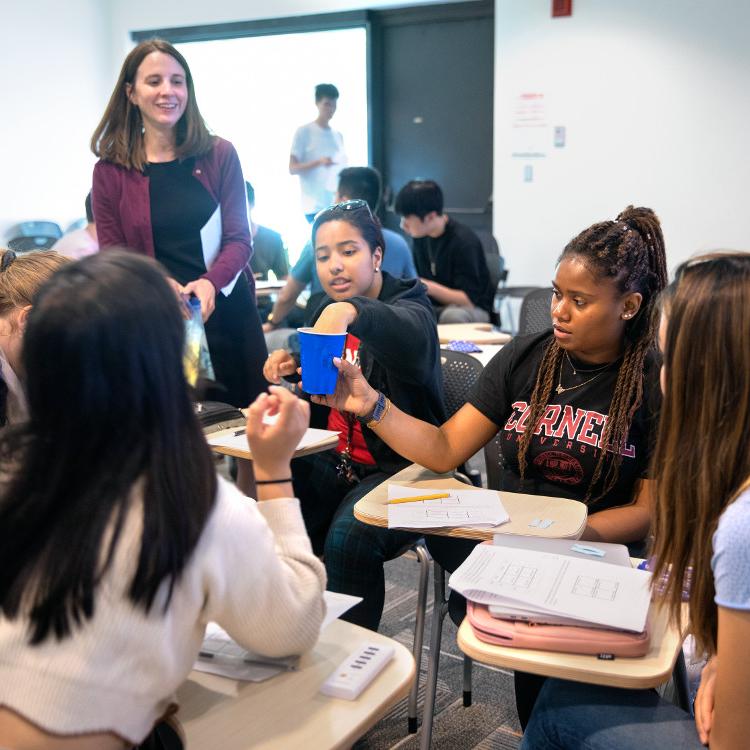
(118, 542)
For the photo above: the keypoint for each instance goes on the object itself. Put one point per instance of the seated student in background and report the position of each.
(80, 242)
(20, 279)
(448, 255)
(355, 183)
(269, 253)
(702, 520)
(575, 406)
(392, 337)
(118, 542)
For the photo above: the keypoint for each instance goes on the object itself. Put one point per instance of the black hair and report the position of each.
(360, 183)
(326, 91)
(360, 218)
(89, 209)
(250, 190)
(419, 198)
(109, 413)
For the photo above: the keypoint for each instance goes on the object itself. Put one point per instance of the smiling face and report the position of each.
(589, 314)
(346, 266)
(159, 91)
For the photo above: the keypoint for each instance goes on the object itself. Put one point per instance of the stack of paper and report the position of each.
(552, 588)
(221, 655)
(469, 507)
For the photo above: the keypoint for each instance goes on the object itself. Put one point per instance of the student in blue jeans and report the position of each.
(702, 519)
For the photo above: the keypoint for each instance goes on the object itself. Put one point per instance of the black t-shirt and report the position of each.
(456, 260)
(180, 208)
(269, 254)
(565, 449)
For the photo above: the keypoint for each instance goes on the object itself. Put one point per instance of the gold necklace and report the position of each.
(560, 388)
(576, 370)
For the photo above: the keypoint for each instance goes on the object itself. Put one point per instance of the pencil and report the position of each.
(418, 498)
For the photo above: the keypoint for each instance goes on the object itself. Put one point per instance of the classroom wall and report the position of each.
(653, 96)
(51, 88)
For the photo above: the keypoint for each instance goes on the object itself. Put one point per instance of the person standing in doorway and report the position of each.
(318, 154)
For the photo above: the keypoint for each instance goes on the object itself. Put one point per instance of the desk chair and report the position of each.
(460, 372)
(535, 315)
(507, 305)
(33, 235)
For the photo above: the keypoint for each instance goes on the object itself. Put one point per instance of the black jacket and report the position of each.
(399, 354)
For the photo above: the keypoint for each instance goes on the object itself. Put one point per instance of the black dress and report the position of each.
(180, 207)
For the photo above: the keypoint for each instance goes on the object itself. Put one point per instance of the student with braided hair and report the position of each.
(589, 388)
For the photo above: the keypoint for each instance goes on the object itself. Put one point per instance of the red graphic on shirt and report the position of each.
(556, 466)
(338, 422)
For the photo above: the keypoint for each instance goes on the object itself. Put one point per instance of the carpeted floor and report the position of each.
(490, 723)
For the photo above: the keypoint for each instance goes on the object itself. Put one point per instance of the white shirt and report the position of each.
(318, 184)
(252, 571)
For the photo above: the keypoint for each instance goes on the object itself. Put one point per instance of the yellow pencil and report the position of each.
(419, 498)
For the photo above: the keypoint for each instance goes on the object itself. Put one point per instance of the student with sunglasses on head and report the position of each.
(701, 520)
(574, 406)
(20, 279)
(392, 337)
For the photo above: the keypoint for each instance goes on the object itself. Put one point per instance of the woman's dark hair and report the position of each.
(630, 252)
(119, 135)
(359, 216)
(110, 426)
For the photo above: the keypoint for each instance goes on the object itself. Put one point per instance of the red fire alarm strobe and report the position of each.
(562, 8)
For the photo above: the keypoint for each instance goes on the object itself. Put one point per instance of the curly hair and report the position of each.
(630, 252)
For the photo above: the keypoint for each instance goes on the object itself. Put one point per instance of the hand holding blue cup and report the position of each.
(317, 350)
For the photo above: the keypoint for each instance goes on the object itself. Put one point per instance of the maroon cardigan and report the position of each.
(122, 210)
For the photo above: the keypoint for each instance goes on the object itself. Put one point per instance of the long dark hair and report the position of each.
(357, 213)
(109, 414)
(119, 135)
(702, 460)
(630, 252)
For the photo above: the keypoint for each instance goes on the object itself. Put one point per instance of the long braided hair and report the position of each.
(630, 251)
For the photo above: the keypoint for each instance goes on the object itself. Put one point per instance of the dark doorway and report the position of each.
(433, 82)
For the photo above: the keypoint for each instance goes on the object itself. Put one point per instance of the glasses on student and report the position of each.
(353, 205)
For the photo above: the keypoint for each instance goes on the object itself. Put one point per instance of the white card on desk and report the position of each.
(228, 439)
(469, 507)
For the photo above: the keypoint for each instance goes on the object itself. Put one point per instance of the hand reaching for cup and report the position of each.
(278, 365)
(353, 393)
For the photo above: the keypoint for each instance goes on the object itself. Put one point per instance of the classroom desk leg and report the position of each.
(424, 578)
(439, 611)
(467, 681)
(680, 678)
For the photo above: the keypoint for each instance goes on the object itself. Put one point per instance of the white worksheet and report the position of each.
(236, 439)
(469, 507)
(221, 655)
(539, 583)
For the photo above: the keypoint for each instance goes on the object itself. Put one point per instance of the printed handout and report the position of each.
(469, 507)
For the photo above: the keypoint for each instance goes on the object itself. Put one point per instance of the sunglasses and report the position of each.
(8, 257)
(353, 205)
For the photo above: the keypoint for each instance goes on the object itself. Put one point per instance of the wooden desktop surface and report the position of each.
(478, 333)
(288, 711)
(647, 671)
(569, 516)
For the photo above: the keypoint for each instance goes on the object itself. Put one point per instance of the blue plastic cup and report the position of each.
(317, 351)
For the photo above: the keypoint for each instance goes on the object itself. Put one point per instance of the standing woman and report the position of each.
(165, 187)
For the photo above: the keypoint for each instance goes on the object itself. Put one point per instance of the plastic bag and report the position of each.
(196, 359)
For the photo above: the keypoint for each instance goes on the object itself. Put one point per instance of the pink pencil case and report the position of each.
(571, 639)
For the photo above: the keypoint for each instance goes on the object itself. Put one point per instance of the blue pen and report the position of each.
(586, 550)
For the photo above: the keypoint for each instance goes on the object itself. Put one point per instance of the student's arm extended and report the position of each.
(626, 523)
(440, 449)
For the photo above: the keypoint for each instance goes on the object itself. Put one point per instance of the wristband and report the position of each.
(269, 320)
(382, 406)
(273, 481)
